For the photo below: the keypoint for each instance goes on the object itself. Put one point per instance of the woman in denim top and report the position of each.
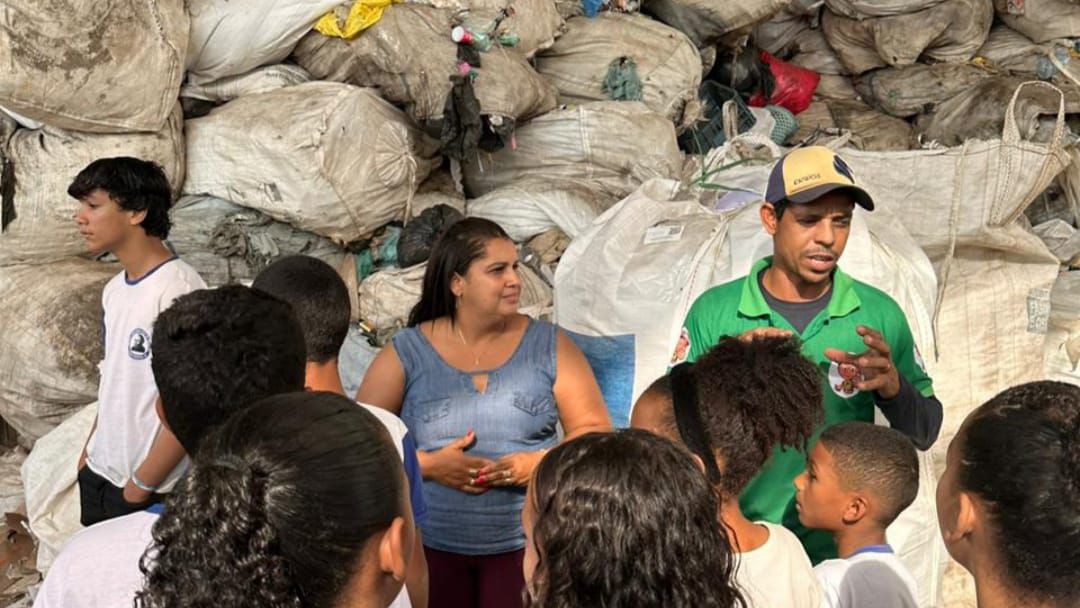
(482, 389)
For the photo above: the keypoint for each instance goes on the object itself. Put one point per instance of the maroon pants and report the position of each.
(475, 581)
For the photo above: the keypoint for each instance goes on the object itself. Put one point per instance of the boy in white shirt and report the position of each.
(130, 458)
(858, 479)
(732, 407)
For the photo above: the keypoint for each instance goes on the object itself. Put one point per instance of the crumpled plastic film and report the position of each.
(362, 15)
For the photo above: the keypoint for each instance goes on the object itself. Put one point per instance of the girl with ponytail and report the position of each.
(299, 501)
(1009, 500)
(732, 408)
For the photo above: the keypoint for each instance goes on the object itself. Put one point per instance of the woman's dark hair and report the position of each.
(453, 253)
(627, 520)
(1020, 454)
(753, 396)
(134, 184)
(278, 506)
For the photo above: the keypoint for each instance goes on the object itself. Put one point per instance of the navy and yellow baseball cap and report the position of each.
(806, 174)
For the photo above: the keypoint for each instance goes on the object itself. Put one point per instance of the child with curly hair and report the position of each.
(732, 407)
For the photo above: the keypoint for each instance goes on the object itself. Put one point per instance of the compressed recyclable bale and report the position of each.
(706, 21)
(952, 31)
(327, 158)
(51, 344)
(1009, 50)
(259, 80)
(668, 64)
(777, 35)
(37, 225)
(864, 9)
(409, 57)
(387, 297)
(613, 146)
(980, 111)
(812, 51)
(815, 120)
(918, 88)
(535, 23)
(237, 36)
(870, 128)
(440, 188)
(103, 67)
(833, 86)
(1041, 20)
(530, 207)
(227, 243)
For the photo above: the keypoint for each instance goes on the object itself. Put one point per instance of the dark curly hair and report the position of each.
(752, 396)
(278, 506)
(1019, 453)
(218, 350)
(626, 520)
(134, 184)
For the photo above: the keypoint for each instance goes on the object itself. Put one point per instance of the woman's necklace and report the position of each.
(476, 356)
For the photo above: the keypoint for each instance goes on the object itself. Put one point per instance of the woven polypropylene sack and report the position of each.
(409, 57)
(952, 31)
(668, 63)
(36, 212)
(917, 88)
(529, 208)
(328, 158)
(614, 146)
(103, 67)
(706, 21)
(51, 344)
(1042, 20)
(536, 23)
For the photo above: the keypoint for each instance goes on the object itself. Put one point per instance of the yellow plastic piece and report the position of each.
(362, 15)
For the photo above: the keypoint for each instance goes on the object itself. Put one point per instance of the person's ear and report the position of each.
(137, 217)
(394, 550)
(769, 221)
(698, 462)
(856, 509)
(963, 522)
(457, 286)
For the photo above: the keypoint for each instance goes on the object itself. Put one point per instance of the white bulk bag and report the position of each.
(328, 158)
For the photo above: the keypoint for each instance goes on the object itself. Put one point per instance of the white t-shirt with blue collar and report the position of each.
(127, 422)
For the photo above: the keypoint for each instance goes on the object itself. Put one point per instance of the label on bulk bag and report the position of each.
(1038, 311)
(663, 234)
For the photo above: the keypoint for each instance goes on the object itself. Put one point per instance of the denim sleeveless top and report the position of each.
(516, 413)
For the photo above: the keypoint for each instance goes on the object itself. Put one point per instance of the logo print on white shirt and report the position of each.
(139, 344)
(842, 379)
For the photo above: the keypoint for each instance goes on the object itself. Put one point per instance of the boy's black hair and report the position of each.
(319, 298)
(752, 396)
(1020, 455)
(216, 351)
(875, 459)
(134, 184)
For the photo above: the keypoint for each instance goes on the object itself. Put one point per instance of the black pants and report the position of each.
(101, 500)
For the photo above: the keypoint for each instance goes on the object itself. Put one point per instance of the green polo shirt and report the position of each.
(733, 308)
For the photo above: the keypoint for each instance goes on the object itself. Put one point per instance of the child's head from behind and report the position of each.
(857, 474)
(219, 350)
(1009, 500)
(624, 519)
(319, 298)
(299, 500)
(750, 396)
(121, 197)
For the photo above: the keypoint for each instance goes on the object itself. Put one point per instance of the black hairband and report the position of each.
(688, 419)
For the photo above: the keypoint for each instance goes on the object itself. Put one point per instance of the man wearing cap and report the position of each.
(856, 334)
